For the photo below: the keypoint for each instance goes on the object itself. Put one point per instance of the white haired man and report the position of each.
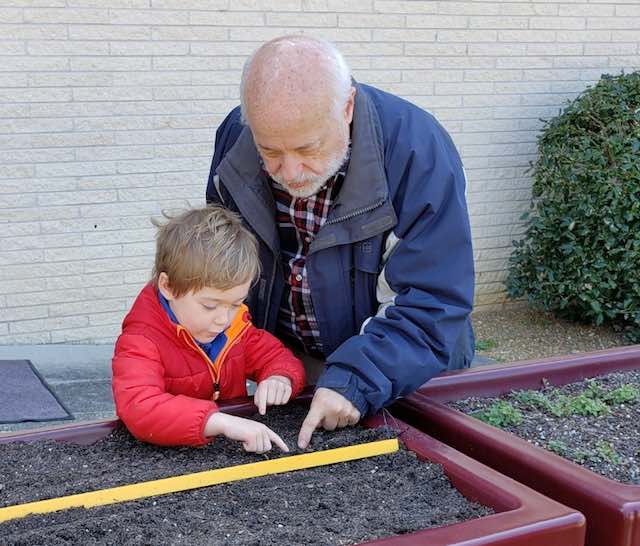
(357, 198)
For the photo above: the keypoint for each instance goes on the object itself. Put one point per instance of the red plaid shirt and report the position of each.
(298, 221)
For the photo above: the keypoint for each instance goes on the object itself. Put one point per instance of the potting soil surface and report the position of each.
(593, 422)
(345, 503)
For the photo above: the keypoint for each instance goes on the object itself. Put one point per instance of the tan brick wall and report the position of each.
(108, 110)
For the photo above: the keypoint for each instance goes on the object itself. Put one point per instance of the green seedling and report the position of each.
(533, 399)
(537, 400)
(581, 456)
(559, 407)
(592, 401)
(500, 414)
(606, 451)
(623, 395)
(558, 447)
(584, 404)
(593, 390)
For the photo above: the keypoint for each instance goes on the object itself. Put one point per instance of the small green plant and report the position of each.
(593, 389)
(623, 395)
(594, 400)
(581, 456)
(486, 344)
(584, 404)
(606, 451)
(534, 400)
(558, 447)
(500, 414)
(557, 405)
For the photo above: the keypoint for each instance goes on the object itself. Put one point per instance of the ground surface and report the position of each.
(338, 504)
(523, 334)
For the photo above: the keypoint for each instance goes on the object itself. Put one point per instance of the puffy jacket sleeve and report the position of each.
(149, 412)
(425, 288)
(266, 356)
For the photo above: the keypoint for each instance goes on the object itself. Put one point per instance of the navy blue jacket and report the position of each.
(391, 271)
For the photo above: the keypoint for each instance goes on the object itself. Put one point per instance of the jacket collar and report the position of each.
(362, 208)
(241, 173)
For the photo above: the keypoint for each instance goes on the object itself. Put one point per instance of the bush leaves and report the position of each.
(580, 256)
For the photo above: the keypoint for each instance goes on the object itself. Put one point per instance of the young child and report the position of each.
(188, 340)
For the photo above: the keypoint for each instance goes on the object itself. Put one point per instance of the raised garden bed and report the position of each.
(593, 422)
(521, 515)
(612, 508)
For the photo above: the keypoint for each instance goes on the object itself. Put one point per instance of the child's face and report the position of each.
(207, 312)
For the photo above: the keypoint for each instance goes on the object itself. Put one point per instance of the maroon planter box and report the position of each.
(612, 509)
(524, 517)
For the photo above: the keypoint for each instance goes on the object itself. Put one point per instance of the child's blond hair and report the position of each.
(207, 247)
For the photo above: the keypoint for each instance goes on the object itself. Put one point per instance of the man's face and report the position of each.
(207, 312)
(302, 154)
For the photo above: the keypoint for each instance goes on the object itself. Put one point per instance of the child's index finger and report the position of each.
(278, 441)
(260, 401)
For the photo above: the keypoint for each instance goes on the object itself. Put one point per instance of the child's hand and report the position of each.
(255, 437)
(273, 391)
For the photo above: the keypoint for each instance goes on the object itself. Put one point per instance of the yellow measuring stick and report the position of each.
(200, 479)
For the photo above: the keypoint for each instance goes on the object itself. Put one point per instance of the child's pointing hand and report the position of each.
(273, 391)
(255, 437)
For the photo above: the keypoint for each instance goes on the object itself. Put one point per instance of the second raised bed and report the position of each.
(612, 509)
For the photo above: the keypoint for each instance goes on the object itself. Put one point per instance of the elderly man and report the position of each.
(358, 200)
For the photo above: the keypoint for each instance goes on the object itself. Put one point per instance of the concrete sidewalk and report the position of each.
(80, 375)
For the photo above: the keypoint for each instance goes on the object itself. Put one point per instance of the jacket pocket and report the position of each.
(364, 277)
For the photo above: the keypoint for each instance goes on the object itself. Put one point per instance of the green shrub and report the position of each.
(580, 256)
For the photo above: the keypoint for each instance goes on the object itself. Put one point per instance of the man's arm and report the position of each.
(425, 289)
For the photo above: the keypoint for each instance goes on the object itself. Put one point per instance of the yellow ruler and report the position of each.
(200, 479)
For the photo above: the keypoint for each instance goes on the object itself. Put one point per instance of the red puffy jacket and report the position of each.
(163, 382)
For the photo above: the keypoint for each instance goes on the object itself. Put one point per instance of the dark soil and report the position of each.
(344, 503)
(608, 444)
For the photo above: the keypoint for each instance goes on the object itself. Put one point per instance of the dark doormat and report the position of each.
(26, 396)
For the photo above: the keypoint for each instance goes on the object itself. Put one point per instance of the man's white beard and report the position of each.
(313, 183)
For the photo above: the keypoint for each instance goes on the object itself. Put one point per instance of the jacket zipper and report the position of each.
(215, 374)
(225, 351)
(355, 213)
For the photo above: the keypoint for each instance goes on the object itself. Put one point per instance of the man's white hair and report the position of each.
(339, 74)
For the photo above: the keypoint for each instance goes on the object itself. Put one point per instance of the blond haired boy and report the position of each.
(188, 340)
